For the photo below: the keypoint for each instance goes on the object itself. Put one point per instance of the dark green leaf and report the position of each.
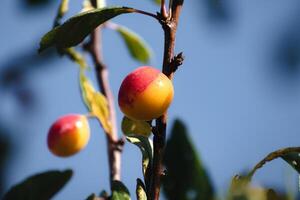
(145, 146)
(74, 30)
(93, 197)
(40, 186)
(130, 127)
(137, 47)
(119, 191)
(140, 190)
(186, 178)
(293, 159)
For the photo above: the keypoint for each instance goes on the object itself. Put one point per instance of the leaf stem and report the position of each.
(146, 13)
(169, 27)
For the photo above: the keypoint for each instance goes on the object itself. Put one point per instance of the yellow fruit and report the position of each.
(68, 135)
(145, 94)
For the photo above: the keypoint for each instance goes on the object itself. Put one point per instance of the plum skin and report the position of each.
(145, 94)
(68, 135)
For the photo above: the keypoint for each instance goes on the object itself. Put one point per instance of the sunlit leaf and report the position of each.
(76, 57)
(140, 190)
(130, 127)
(137, 47)
(40, 186)
(119, 191)
(74, 30)
(95, 102)
(145, 146)
(186, 178)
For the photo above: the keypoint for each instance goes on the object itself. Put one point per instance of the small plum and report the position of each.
(145, 94)
(68, 135)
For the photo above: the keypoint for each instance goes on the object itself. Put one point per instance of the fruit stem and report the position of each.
(94, 47)
(169, 26)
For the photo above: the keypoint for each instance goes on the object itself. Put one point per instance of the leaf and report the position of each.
(95, 102)
(293, 159)
(130, 127)
(76, 57)
(74, 30)
(93, 197)
(140, 190)
(242, 190)
(119, 191)
(289, 154)
(137, 47)
(40, 186)
(186, 178)
(145, 146)
(157, 1)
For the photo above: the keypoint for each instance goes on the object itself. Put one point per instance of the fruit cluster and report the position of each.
(145, 94)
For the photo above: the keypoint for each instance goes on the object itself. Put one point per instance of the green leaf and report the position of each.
(95, 102)
(293, 159)
(134, 127)
(40, 186)
(137, 47)
(140, 190)
(119, 191)
(145, 146)
(76, 57)
(93, 197)
(289, 154)
(186, 178)
(157, 1)
(74, 30)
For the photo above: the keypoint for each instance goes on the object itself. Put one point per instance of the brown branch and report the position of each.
(169, 26)
(113, 143)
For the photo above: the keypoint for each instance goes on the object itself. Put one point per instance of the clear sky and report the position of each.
(236, 92)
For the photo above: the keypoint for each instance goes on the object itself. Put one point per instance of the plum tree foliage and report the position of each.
(172, 162)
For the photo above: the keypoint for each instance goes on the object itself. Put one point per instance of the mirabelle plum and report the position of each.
(145, 94)
(68, 135)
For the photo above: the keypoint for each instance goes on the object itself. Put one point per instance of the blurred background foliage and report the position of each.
(19, 95)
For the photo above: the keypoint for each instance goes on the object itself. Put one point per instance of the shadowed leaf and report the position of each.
(130, 127)
(186, 178)
(94, 197)
(74, 30)
(293, 159)
(40, 186)
(119, 191)
(137, 47)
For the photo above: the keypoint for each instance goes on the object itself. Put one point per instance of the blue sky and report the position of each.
(238, 101)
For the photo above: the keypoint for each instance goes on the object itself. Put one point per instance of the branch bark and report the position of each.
(169, 26)
(94, 47)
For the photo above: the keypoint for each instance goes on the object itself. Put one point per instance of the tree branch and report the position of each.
(113, 143)
(169, 26)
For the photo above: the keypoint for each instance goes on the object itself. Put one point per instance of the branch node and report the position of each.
(177, 61)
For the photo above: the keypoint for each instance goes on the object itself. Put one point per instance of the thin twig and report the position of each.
(163, 9)
(170, 27)
(113, 143)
